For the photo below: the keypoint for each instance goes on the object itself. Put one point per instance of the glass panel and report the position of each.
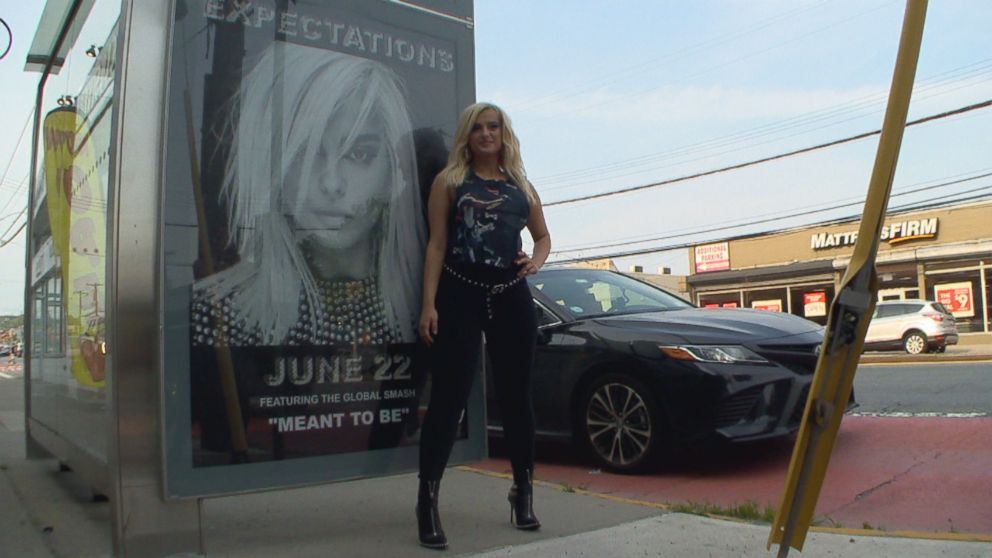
(961, 293)
(38, 334)
(812, 302)
(69, 239)
(301, 145)
(766, 299)
(723, 300)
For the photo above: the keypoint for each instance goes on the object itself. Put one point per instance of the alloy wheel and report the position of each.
(619, 425)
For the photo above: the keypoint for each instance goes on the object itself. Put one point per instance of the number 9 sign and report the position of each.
(957, 298)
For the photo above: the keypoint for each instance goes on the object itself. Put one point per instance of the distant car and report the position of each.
(5, 349)
(628, 370)
(915, 326)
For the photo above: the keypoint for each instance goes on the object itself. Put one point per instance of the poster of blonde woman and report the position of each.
(297, 165)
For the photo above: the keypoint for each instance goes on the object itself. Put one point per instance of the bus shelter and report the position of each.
(227, 224)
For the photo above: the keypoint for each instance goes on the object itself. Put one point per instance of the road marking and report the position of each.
(926, 414)
(7, 376)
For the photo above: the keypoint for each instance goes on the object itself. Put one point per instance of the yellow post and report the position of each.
(850, 312)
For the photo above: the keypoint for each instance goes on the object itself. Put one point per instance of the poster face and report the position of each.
(302, 139)
(957, 298)
(815, 304)
(773, 305)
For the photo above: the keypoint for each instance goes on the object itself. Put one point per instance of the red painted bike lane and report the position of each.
(892, 473)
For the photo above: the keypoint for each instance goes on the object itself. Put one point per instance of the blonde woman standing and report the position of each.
(474, 283)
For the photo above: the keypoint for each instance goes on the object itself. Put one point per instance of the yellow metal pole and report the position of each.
(850, 312)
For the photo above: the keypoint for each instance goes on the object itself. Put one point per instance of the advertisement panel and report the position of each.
(815, 304)
(76, 213)
(302, 140)
(957, 298)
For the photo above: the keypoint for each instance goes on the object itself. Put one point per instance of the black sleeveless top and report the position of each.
(485, 223)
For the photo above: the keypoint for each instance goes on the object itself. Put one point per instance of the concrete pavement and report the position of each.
(46, 513)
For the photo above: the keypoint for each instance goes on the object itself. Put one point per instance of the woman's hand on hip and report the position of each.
(527, 266)
(428, 325)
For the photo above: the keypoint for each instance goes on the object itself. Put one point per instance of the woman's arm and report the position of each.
(538, 228)
(438, 206)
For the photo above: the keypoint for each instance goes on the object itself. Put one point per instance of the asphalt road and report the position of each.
(930, 388)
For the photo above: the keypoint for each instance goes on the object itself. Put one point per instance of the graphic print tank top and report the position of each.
(486, 221)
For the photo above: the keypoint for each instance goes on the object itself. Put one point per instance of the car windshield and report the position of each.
(587, 293)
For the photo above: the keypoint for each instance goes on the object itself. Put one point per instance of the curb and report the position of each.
(900, 534)
(914, 359)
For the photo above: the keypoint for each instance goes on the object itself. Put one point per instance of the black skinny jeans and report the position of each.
(511, 334)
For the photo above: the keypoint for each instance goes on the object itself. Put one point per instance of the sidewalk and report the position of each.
(45, 513)
(374, 518)
(970, 348)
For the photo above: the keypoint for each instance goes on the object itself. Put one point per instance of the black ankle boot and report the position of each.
(428, 518)
(522, 503)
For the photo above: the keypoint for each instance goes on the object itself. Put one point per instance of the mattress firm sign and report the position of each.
(893, 233)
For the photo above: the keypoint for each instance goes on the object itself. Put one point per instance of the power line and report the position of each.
(935, 86)
(737, 166)
(13, 236)
(777, 217)
(849, 218)
(17, 146)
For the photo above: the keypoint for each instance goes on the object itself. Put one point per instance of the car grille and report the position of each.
(797, 412)
(737, 407)
(751, 403)
(801, 359)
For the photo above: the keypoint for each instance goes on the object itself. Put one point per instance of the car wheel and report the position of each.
(914, 342)
(620, 423)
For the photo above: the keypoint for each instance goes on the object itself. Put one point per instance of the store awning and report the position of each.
(761, 273)
(52, 21)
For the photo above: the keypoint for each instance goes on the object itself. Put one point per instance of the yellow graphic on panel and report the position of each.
(77, 212)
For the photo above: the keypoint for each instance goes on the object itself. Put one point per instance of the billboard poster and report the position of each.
(302, 140)
(957, 298)
(815, 304)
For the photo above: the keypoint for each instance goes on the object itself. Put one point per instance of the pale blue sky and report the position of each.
(607, 95)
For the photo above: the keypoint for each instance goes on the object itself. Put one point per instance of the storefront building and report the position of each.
(938, 254)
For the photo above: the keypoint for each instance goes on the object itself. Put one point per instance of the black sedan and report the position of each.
(629, 371)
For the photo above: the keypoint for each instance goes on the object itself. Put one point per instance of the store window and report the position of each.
(812, 301)
(774, 300)
(960, 292)
(720, 300)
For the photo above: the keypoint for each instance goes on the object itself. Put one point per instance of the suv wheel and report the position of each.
(914, 342)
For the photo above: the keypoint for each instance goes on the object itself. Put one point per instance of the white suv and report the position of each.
(913, 325)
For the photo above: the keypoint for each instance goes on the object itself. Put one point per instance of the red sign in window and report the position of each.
(815, 304)
(957, 298)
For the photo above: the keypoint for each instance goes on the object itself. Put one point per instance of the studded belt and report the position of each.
(491, 289)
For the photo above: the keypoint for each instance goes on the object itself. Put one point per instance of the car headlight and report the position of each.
(727, 354)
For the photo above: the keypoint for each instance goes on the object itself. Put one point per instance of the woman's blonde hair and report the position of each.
(312, 85)
(460, 158)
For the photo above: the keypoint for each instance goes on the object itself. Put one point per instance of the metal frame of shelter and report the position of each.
(132, 406)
